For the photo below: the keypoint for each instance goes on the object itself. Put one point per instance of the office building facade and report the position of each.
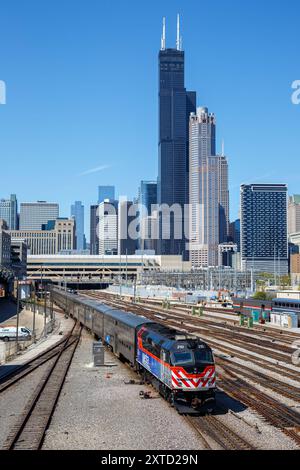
(77, 212)
(34, 214)
(235, 233)
(94, 221)
(264, 241)
(108, 227)
(48, 242)
(147, 200)
(9, 211)
(294, 214)
(208, 193)
(175, 106)
(127, 227)
(5, 244)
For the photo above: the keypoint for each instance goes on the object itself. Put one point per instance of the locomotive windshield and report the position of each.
(198, 356)
(203, 356)
(182, 358)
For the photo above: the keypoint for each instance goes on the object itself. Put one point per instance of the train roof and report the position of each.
(128, 318)
(172, 335)
(281, 299)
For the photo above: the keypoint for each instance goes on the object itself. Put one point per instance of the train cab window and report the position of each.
(182, 358)
(203, 355)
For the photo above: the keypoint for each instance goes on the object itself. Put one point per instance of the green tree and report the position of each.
(260, 295)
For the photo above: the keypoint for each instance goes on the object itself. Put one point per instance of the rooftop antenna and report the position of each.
(223, 148)
(163, 38)
(178, 40)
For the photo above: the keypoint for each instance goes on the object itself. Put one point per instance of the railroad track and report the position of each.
(282, 388)
(274, 412)
(220, 328)
(10, 378)
(210, 428)
(28, 433)
(279, 415)
(181, 322)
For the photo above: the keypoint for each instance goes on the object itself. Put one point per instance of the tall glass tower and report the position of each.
(175, 106)
(264, 242)
(77, 211)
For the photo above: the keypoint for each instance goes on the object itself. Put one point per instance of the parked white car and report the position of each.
(8, 333)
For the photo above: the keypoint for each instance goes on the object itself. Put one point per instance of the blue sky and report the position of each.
(81, 81)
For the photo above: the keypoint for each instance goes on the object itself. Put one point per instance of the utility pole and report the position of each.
(126, 268)
(45, 312)
(18, 307)
(120, 275)
(34, 313)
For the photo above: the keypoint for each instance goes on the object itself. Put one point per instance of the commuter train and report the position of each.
(276, 305)
(180, 366)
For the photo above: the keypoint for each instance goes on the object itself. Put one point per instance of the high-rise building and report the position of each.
(106, 192)
(59, 237)
(294, 214)
(127, 229)
(264, 243)
(147, 200)
(94, 221)
(175, 106)
(34, 214)
(9, 211)
(5, 244)
(108, 227)
(77, 211)
(235, 233)
(208, 194)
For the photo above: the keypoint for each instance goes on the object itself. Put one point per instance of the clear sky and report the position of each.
(82, 92)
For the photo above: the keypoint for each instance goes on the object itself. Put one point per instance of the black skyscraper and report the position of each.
(175, 106)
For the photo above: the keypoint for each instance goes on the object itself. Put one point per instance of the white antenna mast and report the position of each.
(223, 148)
(178, 40)
(163, 38)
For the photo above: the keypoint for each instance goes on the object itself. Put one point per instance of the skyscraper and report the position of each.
(34, 214)
(175, 106)
(127, 240)
(9, 211)
(77, 211)
(94, 221)
(264, 244)
(208, 195)
(294, 214)
(108, 227)
(106, 192)
(147, 200)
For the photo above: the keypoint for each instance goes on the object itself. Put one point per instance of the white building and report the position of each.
(108, 227)
(294, 214)
(209, 199)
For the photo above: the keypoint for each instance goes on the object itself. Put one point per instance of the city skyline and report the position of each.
(238, 93)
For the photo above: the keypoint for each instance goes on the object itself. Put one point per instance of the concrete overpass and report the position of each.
(81, 269)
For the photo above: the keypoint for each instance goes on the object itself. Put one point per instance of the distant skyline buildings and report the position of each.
(34, 214)
(9, 211)
(294, 214)
(77, 211)
(108, 228)
(94, 221)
